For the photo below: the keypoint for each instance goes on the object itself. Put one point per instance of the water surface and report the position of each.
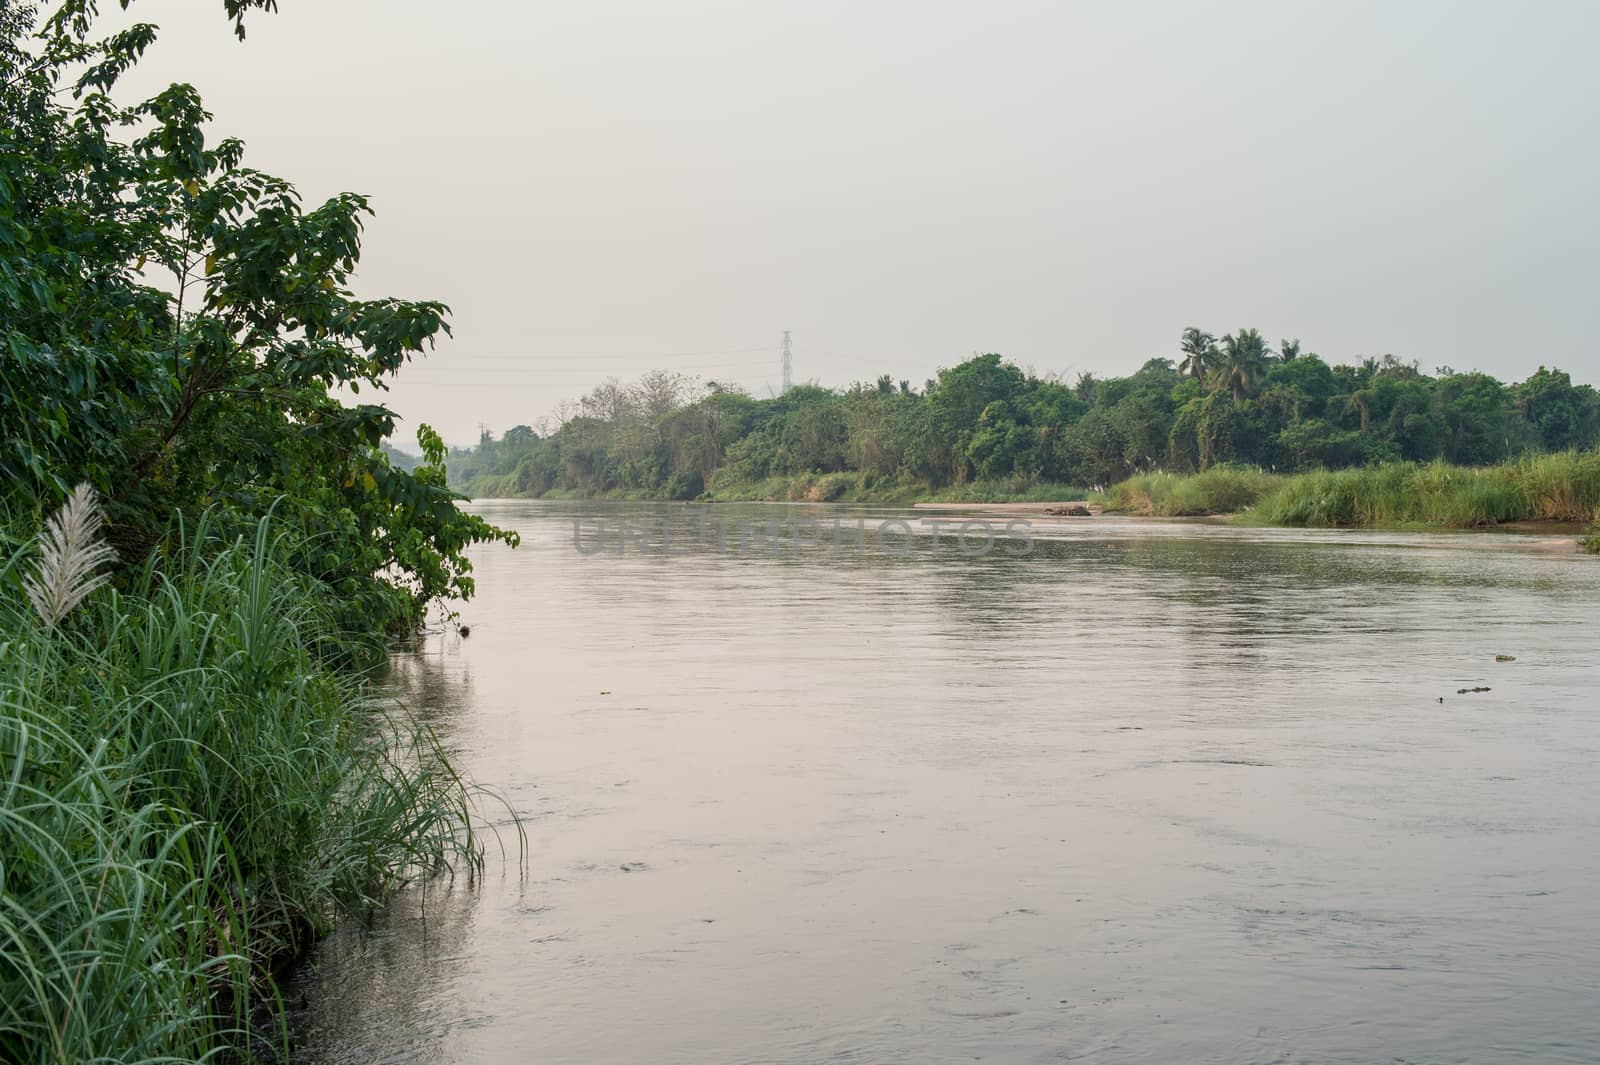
(1149, 793)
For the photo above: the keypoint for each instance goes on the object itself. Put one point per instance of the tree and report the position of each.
(959, 399)
(1241, 363)
(1199, 353)
(1559, 415)
(986, 418)
(217, 388)
(1478, 418)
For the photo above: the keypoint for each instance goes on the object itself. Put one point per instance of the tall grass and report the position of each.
(1558, 487)
(187, 796)
(1220, 490)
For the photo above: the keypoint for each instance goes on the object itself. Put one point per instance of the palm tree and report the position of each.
(1288, 350)
(1086, 386)
(1241, 362)
(1199, 352)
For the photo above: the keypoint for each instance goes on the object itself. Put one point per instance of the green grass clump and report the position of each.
(1559, 487)
(187, 796)
(1220, 490)
(1015, 489)
(1564, 486)
(1378, 495)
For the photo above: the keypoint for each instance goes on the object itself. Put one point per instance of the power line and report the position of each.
(605, 354)
(532, 374)
(727, 379)
(788, 362)
(457, 366)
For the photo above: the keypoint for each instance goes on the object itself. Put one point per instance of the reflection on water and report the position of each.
(1150, 793)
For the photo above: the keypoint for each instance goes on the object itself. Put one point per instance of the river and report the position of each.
(1149, 792)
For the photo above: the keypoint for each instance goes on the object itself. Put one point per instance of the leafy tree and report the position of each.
(1477, 416)
(961, 396)
(216, 387)
(1558, 415)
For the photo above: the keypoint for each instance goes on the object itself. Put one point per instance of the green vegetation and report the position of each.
(192, 782)
(1220, 490)
(188, 794)
(176, 328)
(987, 430)
(1558, 487)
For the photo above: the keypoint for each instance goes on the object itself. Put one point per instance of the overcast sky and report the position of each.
(603, 187)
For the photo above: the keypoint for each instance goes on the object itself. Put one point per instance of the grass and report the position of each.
(1221, 490)
(1558, 487)
(187, 797)
(1006, 490)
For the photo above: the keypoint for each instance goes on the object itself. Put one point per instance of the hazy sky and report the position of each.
(603, 187)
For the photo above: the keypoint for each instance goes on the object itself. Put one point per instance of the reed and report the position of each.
(188, 796)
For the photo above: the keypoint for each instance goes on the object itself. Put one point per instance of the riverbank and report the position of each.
(1556, 495)
(824, 488)
(191, 796)
(1550, 536)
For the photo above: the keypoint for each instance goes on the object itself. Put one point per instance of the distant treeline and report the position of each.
(1228, 400)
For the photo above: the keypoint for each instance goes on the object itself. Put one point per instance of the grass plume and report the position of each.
(71, 558)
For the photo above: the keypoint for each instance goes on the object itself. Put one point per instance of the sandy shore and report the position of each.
(1553, 538)
(1041, 509)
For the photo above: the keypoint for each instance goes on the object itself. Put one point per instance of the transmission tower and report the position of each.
(788, 362)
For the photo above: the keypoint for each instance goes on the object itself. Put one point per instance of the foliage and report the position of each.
(1228, 403)
(176, 329)
(187, 796)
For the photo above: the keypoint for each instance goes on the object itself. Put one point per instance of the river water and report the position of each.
(1151, 792)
